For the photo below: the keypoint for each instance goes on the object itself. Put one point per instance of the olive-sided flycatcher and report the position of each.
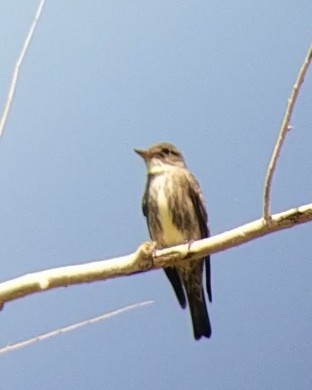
(175, 211)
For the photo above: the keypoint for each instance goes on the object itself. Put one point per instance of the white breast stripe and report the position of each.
(171, 235)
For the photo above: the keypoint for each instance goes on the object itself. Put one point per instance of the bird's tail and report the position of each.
(198, 310)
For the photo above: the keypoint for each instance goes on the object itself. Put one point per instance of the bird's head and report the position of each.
(161, 157)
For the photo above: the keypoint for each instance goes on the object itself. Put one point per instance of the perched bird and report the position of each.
(175, 211)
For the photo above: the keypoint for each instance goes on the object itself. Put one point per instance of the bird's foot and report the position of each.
(189, 244)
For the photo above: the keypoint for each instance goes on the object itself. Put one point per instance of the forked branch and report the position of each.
(285, 127)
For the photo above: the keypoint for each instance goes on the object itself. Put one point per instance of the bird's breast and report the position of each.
(161, 191)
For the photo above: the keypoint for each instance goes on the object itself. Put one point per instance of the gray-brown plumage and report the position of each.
(175, 211)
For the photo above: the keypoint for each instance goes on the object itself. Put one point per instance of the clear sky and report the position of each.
(103, 77)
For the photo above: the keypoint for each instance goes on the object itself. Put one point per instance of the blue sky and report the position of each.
(100, 78)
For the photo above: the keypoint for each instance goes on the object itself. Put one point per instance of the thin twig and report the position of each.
(57, 332)
(18, 64)
(285, 127)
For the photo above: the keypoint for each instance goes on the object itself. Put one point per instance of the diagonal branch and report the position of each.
(285, 127)
(145, 258)
(18, 64)
(69, 328)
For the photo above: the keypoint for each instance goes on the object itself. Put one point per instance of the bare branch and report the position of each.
(285, 127)
(18, 64)
(57, 332)
(146, 258)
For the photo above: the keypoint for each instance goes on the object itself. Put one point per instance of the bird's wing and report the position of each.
(144, 205)
(176, 283)
(199, 206)
(144, 200)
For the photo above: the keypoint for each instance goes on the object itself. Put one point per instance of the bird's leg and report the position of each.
(189, 244)
(153, 246)
(185, 252)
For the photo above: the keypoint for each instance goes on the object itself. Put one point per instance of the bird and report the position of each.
(175, 211)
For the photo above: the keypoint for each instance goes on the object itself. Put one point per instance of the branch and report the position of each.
(285, 127)
(146, 258)
(69, 328)
(18, 64)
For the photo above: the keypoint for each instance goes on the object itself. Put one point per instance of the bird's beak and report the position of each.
(142, 153)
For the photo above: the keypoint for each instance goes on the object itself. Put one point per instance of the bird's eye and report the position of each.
(166, 151)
